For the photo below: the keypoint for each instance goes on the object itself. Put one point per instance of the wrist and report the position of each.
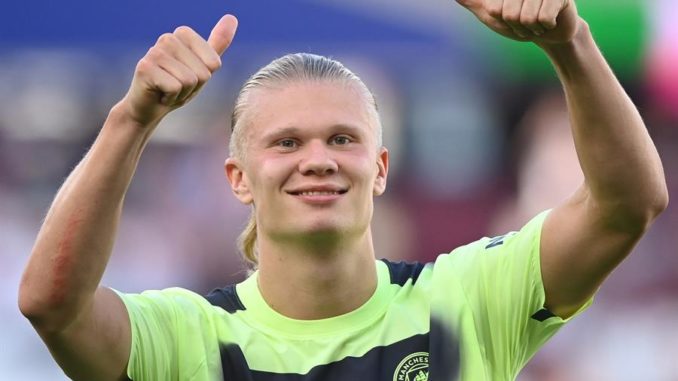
(120, 118)
(125, 111)
(580, 36)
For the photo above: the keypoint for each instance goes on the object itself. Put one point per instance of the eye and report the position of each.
(287, 143)
(341, 140)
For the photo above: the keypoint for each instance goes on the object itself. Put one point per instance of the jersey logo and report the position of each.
(414, 367)
(498, 240)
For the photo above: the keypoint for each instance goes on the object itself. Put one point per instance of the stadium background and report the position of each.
(478, 137)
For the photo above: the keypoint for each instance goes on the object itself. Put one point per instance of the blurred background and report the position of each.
(476, 126)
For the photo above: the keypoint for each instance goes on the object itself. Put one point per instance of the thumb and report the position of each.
(222, 34)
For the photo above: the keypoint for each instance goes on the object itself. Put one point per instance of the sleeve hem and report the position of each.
(555, 319)
(133, 329)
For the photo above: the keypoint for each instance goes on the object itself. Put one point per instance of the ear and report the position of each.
(238, 180)
(382, 172)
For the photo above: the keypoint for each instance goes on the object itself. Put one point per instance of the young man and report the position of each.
(306, 154)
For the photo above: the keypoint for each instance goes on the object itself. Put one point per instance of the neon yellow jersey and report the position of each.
(474, 314)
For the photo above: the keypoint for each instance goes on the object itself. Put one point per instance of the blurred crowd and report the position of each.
(473, 154)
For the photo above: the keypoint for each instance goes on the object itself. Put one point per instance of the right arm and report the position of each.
(85, 326)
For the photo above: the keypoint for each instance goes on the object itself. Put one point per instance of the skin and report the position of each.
(308, 136)
(86, 326)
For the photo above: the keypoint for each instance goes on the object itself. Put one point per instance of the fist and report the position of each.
(540, 21)
(174, 70)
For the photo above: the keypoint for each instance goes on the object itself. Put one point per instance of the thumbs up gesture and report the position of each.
(174, 70)
(541, 21)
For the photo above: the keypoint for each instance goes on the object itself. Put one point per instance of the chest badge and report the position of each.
(414, 367)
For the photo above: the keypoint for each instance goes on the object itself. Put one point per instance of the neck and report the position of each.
(311, 282)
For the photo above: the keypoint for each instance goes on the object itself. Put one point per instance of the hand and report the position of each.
(541, 21)
(174, 70)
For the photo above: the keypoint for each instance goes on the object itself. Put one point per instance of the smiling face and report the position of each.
(311, 165)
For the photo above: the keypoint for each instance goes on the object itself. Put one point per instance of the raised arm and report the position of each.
(589, 234)
(85, 326)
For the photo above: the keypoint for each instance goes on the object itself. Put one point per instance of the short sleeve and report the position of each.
(171, 334)
(502, 283)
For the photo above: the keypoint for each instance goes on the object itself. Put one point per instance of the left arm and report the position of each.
(589, 234)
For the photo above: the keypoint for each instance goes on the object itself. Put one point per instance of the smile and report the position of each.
(318, 190)
(319, 193)
(317, 196)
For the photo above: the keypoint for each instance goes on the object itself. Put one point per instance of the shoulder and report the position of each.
(172, 303)
(167, 295)
(524, 240)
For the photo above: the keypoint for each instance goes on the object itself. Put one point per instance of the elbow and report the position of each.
(32, 310)
(662, 201)
(653, 198)
(656, 204)
(43, 319)
(26, 300)
(26, 308)
(29, 304)
(644, 215)
(46, 312)
(634, 217)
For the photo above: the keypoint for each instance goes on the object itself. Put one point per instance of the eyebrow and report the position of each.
(294, 130)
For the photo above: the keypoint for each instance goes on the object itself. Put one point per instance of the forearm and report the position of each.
(624, 176)
(76, 238)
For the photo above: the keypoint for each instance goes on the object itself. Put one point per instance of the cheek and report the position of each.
(269, 174)
(362, 166)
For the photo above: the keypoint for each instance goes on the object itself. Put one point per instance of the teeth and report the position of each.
(319, 193)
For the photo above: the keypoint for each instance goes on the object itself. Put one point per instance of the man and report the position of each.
(306, 155)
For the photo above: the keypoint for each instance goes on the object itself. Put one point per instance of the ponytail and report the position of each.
(247, 241)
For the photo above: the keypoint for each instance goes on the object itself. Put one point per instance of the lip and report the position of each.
(322, 194)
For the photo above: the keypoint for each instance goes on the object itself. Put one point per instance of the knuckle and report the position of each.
(213, 64)
(512, 17)
(495, 11)
(183, 31)
(166, 39)
(547, 21)
(528, 20)
(191, 80)
(154, 54)
(174, 88)
(144, 65)
(204, 76)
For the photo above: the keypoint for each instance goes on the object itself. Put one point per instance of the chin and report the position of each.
(306, 228)
(321, 231)
(323, 228)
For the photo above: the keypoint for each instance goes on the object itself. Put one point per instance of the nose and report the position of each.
(317, 160)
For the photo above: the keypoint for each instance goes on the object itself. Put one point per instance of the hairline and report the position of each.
(238, 139)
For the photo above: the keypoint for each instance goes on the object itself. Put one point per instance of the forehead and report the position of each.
(308, 106)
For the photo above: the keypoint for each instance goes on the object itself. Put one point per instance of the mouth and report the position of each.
(318, 192)
(318, 195)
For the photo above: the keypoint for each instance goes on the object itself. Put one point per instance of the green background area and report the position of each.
(620, 27)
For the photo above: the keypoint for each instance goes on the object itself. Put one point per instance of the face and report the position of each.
(312, 165)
